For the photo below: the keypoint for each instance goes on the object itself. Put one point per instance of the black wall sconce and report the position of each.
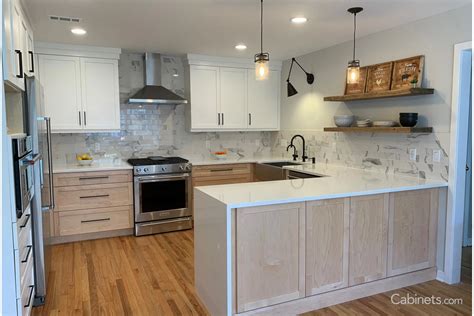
(290, 88)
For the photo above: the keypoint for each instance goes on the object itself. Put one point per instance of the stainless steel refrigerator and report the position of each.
(42, 205)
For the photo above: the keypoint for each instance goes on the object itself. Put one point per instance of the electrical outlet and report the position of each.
(412, 153)
(208, 144)
(283, 142)
(436, 155)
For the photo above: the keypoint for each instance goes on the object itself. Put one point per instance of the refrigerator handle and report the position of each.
(50, 162)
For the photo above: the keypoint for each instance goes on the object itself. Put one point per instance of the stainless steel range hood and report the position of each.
(153, 92)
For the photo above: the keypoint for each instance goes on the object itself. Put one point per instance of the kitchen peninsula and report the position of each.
(292, 246)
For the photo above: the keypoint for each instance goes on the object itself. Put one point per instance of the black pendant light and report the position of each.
(291, 91)
(261, 59)
(353, 68)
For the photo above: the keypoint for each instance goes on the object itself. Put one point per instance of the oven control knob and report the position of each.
(163, 169)
(146, 170)
(181, 168)
(188, 167)
(139, 170)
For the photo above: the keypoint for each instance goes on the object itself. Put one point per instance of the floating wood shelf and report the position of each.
(406, 130)
(380, 95)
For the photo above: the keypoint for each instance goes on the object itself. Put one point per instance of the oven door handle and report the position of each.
(162, 179)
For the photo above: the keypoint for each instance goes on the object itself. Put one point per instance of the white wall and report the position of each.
(433, 37)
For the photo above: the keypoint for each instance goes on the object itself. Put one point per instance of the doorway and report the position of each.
(459, 210)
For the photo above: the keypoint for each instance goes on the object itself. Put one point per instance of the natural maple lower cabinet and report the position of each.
(327, 245)
(413, 220)
(80, 87)
(368, 238)
(270, 255)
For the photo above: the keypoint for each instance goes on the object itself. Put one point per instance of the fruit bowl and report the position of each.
(84, 159)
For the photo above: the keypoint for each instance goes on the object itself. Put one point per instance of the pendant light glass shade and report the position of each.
(261, 59)
(261, 66)
(353, 72)
(353, 69)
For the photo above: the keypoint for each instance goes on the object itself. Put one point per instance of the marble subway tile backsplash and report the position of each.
(384, 152)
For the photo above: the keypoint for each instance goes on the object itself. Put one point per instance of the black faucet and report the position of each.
(304, 157)
(295, 152)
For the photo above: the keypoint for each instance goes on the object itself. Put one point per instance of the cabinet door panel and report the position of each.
(100, 94)
(327, 245)
(204, 97)
(412, 231)
(368, 238)
(61, 80)
(263, 101)
(233, 98)
(270, 255)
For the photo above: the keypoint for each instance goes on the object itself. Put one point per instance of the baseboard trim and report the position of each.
(89, 236)
(319, 301)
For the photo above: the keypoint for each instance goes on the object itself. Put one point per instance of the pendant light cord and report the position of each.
(261, 26)
(354, 47)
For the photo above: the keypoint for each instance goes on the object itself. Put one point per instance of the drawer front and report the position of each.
(222, 180)
(24, 231)
(26, 269)
(87, 178)
(27, 291)
(93, 196)
(221, 170)
(95, 220)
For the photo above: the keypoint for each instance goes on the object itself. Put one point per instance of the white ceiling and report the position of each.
(214, 27)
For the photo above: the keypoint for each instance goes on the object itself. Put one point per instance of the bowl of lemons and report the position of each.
(84, 159)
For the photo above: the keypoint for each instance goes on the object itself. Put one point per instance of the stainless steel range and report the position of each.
(162, 194)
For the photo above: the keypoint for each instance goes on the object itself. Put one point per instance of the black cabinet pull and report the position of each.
(96, 220)
(85, 118)
(27, 254)
(250, 118)
(222, 118)
(94, 196)
(93, 178)
(20, 58)
(217, 170)
(32, 61)
(26, 221)
(80, 123)
(32, 287)
(218, 119)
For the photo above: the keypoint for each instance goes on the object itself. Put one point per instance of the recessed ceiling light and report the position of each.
(240, 46)
(299, 20)
(78, 31)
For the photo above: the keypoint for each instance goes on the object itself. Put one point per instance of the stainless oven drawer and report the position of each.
(164, 226)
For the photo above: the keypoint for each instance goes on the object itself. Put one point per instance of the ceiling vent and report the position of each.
(58, 18)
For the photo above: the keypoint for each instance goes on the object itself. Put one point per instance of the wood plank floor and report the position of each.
(154, 275)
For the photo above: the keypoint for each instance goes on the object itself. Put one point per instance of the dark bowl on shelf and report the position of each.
(409, 115)
(408, 121)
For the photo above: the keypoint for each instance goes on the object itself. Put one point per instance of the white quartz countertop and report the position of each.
(338, 182)
(215, 161)
(97, 165)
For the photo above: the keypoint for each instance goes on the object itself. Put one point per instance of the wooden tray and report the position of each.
(405, 71)
(379, 77)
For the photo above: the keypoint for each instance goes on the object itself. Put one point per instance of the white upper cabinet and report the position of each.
(233, 98)
(100, 93)
(204, 93)
(60, 77)
(264, 101)
(225, 96)
(15, 53)
(81, 89)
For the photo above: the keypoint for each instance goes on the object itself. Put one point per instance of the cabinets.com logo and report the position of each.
(410, 299)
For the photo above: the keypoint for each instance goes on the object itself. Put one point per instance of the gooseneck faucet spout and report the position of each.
(304, 157)
(295, 152)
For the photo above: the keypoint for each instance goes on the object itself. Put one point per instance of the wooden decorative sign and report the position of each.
(407, 73)
(356, 88)
(379, 77)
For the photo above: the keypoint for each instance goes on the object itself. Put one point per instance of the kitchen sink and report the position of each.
(281, 164)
